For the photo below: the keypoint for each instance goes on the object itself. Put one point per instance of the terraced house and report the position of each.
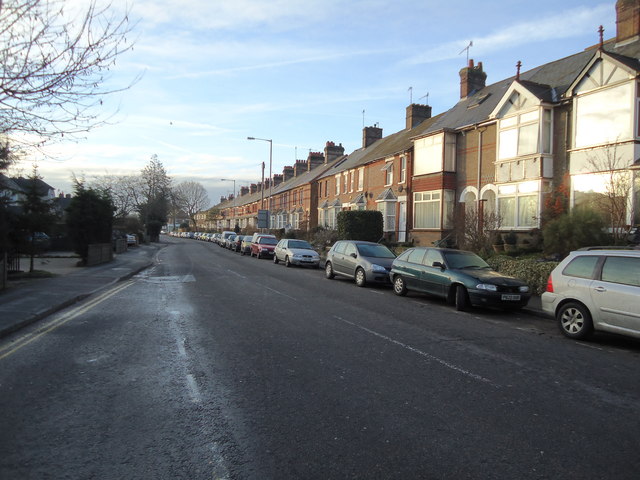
(506, 152)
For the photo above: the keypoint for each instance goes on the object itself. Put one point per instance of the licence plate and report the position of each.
(511, 297)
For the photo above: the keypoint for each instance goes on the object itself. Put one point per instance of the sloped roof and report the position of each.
(549, 82)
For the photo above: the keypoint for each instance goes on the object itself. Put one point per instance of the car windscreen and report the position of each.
(300, 244)
(376, 251)
(267, 241)
(464, 260)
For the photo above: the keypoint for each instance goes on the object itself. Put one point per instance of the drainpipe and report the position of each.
(479, 178)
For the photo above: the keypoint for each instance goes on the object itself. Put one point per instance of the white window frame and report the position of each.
(519, 193)
(388, 210)
(360, 179)
(403, 169)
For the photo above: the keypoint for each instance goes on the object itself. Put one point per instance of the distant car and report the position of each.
(263, 246)
(132, 239)
(40, 241)
(245, 244)
(223, 237)
(463, 278)
(365, 262)
(595, 289)
(292, 251)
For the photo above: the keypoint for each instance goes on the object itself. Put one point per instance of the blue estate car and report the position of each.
(463, 278)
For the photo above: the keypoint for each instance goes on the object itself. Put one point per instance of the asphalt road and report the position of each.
(214, 365)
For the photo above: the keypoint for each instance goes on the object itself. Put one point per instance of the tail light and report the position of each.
(550, 285)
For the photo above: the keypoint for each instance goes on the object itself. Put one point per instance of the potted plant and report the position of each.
(510, 240)
(498, 244)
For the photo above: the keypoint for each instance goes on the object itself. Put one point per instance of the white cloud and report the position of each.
(556, 27)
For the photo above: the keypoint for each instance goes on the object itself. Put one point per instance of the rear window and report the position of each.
(581, 267)
(376, 251)
(625, 270)
(267, 241)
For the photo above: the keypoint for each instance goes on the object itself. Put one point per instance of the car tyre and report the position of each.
(399, 286)
(275, 259)
(361, 277)
(287, 263)
(328, 271)
(461, 298)
(574, 320)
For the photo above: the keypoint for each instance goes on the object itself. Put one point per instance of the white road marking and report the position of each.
(194, 390)
(279, 293)
(236, 273)
(451, 366)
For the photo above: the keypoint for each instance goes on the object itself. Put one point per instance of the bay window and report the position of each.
(518, 204)
(428, 209)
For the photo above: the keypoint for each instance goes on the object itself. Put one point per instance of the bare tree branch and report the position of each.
(54, 66)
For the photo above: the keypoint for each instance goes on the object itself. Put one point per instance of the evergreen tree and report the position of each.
(37, 215)
(89, 218)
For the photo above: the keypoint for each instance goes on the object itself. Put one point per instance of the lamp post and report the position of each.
(270, 165)
(234, 195)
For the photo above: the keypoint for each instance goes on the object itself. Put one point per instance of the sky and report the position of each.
(300, 73)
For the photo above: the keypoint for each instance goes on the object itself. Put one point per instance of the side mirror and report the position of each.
(439, 265)
(354, 255)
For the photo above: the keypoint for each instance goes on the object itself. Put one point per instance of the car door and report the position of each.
(350, 259)
(278, 251)
(337, 257)
(616, 293)
(411, 269)
(435, 280)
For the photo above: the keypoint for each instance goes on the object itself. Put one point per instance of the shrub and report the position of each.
(360, 225)
(581, 227)
(534, 272)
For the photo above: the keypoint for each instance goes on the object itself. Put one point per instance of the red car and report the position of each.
(263, 247)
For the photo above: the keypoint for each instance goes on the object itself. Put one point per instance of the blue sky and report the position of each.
(300, 73)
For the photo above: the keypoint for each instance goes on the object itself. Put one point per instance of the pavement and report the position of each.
(26, 301)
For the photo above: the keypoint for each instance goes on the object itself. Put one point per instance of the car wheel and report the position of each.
(328, 271)
(361, 278)
(275, 259)
(287, 263)
(461, 298)
(399, 287)
(575, 321)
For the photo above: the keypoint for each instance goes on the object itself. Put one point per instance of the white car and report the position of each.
(292, 251)
(595, 289)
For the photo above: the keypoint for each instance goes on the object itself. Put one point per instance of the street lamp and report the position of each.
(234, 195)
(270, 164)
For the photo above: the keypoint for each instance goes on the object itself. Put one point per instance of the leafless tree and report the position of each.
(192, 198)
(54, 63)
(613, 199)
(125, 191)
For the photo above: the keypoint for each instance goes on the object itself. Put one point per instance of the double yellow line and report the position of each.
(25, 340)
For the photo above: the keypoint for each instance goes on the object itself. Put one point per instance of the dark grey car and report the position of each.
(365, 262)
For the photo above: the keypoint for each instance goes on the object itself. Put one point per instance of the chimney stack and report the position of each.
(627, 20)
(472, 79)
(416, 114)
(253, 188)
(370, 135)
(331, 152)
(287, 173)
(300, 167)
(244, 191)
(314, 160)
(277, 179)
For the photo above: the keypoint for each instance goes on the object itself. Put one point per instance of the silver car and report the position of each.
(292, 251)
(595, 290)
(365, 262)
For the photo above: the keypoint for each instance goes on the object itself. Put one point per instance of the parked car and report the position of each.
(263, 246)
(245, 245)
(292, 251)
(223, 237)
(595, 290)
(365, 262)
(132, 239)
(463, 278)
(229, 240)
(255, 236)
(234, 242)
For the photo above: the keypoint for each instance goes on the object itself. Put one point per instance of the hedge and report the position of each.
(534, 272)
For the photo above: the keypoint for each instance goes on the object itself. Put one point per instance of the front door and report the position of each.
(402, 222)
